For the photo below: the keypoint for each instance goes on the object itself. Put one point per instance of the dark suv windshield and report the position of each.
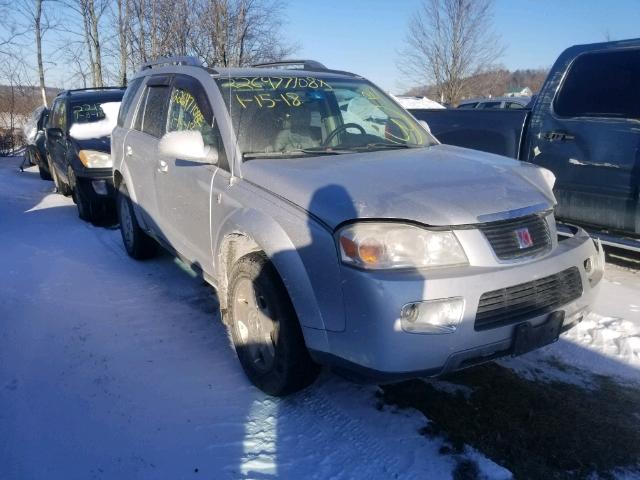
(93, 119)
(287, 115)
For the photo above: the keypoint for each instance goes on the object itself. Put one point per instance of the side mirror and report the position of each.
(425, 125)
(187, 145)
(55, 132)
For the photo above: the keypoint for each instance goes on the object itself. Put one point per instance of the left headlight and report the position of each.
(95, 159)
(374, 245)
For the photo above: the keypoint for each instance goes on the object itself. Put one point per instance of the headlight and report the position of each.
(395, 245)
(94, 159)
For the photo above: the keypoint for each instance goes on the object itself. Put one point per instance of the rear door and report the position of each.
(590, 139)
(141, 147)
(184, 187)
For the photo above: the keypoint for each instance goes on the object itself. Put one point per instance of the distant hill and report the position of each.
(494, 83)
(17, 103)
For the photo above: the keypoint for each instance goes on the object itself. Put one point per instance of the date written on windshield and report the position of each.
(275, 83)
(267, 100)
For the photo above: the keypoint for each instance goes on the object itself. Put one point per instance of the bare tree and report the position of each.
(33, 13)
(219, 32)
(123, 15)
(448, 41)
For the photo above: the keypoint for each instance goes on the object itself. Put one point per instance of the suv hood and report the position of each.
(99, 144)
(440, 185)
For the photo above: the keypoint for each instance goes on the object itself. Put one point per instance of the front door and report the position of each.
(184, 187)
(591, 141)
(57, 138)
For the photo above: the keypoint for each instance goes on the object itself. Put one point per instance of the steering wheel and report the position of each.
(341, 128)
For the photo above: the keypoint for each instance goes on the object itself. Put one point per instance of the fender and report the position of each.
(303, 269)
(123, 171)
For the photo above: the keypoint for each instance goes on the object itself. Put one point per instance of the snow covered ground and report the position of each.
(111, 368)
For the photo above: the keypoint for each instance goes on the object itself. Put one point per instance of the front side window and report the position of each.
(513, 105)
(603, 84)
(59, 117)
(189, 111)
(280, 116)
(468, 105)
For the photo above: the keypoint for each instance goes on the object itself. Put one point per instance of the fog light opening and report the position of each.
(99, 186)
(432, 316)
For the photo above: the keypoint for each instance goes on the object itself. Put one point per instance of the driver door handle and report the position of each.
(129, 151)
(163, 166)
(556, 136)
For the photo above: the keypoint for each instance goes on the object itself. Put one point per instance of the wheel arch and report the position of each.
(250, 231)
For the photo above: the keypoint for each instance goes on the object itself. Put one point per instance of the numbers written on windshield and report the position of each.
(270, 101)
(87, 112)
(275, 83)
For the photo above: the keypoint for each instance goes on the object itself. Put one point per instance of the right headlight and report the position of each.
(389, 245)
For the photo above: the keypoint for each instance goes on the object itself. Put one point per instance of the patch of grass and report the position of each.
(536, 429)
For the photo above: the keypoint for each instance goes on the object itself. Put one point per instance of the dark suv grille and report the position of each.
(503, 236)
(528, 300)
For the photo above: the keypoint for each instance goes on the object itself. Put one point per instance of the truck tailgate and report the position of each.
(493, 131)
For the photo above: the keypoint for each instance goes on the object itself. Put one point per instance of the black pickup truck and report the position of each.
(584, 126)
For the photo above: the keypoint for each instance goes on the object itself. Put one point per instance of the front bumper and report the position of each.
(96, 183)
(374, 345)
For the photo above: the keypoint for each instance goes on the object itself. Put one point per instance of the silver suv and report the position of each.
(336, 230)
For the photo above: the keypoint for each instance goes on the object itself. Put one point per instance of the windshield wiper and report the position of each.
(372, 146)
(291, 153)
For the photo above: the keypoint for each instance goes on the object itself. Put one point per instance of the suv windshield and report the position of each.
(283, 116)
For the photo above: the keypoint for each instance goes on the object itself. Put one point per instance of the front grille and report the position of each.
(503, 237)
(528, 300)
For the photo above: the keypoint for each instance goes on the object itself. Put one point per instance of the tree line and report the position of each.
(102, 42)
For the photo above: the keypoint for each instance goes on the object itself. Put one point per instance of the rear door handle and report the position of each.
(129, 151)
(557, 136)
(163, 166)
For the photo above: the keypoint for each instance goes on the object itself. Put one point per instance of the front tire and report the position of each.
(61, 187)
(265, 330)
(138, 244)
(44, 174)
(86, 208)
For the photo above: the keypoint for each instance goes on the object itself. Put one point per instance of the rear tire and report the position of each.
(265, 330)
(138, 244)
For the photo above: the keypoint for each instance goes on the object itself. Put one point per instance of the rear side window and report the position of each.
(127, 100)
(152, 114)
(603, 84)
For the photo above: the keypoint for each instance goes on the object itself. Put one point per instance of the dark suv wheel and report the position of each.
(265, 329)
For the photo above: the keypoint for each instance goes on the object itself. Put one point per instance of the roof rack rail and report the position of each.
(87, 89)
(177, 60)
(301, 64)
(310, 65)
